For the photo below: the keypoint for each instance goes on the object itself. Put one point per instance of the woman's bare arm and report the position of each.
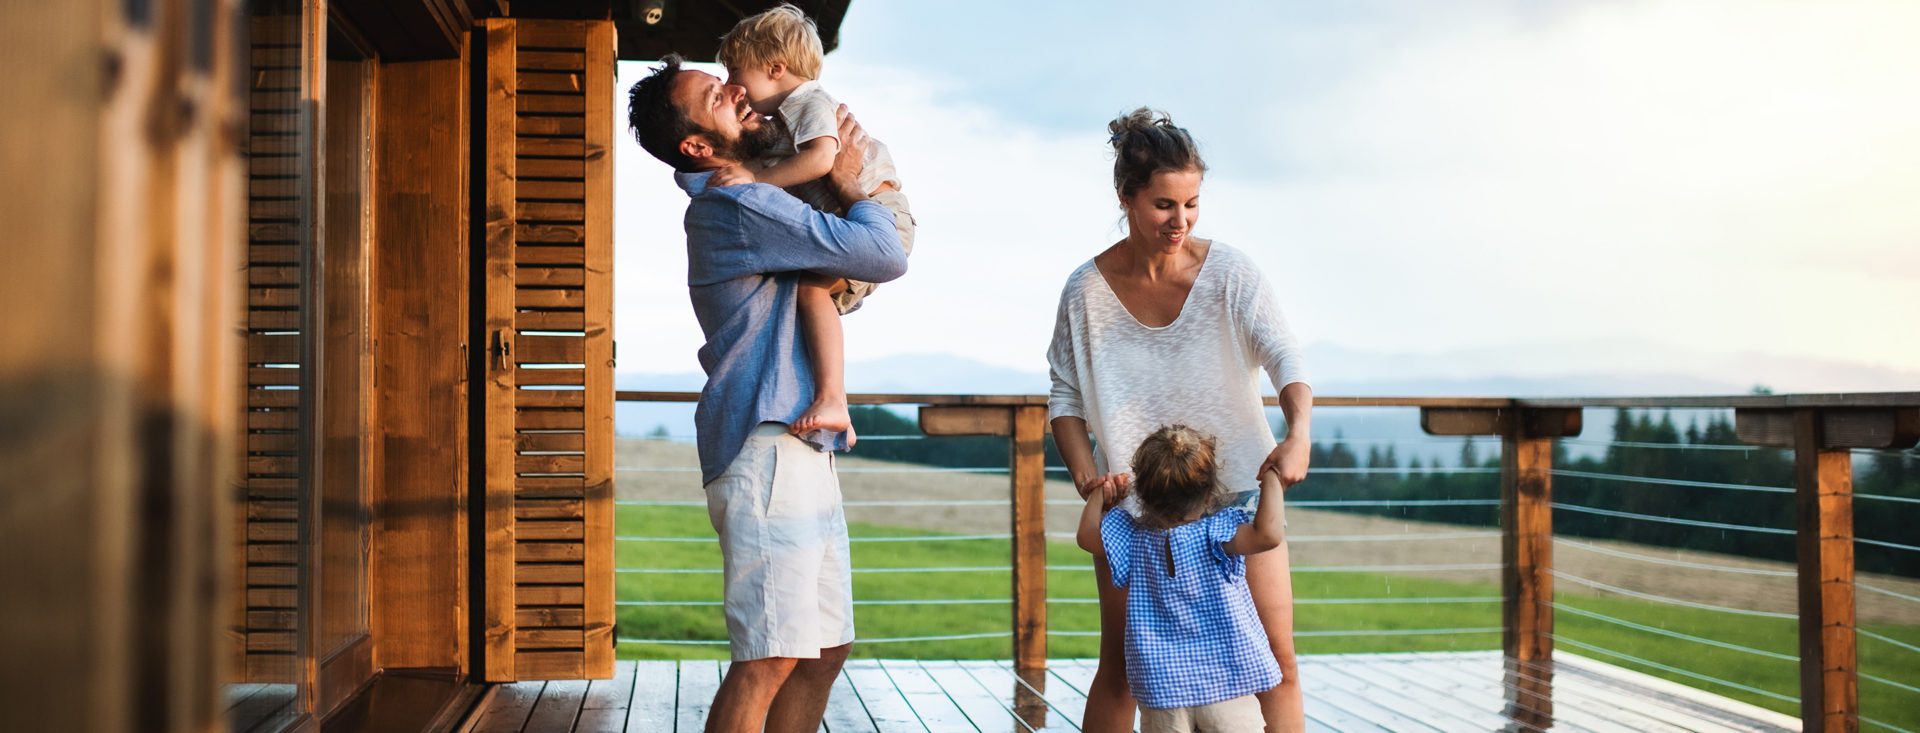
(1291, 456)
(1076, 448)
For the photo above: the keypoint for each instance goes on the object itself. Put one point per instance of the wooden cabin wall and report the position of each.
(418, 576)
(118, 373)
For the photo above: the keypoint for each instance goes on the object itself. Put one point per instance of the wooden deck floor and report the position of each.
(1350, 692)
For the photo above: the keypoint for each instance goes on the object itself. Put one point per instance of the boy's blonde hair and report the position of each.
(782, 35)
(1175, 476)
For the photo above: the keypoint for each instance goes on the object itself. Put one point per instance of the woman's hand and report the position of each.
(1289, 459)
(1113, 487)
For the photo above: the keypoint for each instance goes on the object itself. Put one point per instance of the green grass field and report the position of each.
(1896, 704)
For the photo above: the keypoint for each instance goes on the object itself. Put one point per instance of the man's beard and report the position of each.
(756, 143)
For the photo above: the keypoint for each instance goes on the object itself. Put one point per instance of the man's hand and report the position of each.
(730, 175)
(844, 177)
(1289, 459)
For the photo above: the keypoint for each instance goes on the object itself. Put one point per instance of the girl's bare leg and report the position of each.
(1270, 579)
(826, 349)
(1110, 705)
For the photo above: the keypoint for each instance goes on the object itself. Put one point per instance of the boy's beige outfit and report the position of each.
(809, 114)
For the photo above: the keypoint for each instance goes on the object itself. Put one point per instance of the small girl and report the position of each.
(1196, 653)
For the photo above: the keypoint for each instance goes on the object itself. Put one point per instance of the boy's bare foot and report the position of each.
(825, 414)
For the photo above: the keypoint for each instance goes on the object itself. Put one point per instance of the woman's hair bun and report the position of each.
(1137, 120)
(1145, 141)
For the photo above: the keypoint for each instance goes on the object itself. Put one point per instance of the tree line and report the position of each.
(1694, 452)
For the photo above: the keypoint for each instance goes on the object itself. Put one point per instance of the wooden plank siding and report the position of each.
(548, 379)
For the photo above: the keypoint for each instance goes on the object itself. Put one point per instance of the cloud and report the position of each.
(1728, 176)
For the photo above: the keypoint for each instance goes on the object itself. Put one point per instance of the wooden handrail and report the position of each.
(1788, 401)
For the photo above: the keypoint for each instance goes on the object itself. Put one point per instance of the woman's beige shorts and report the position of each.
(1239, 715)
(783, 541)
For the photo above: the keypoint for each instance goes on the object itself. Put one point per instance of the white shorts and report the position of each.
(1239, 715)
(849, 300)
(783, 540)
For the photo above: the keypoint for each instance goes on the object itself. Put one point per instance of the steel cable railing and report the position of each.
(1597, 616)
(855, 504)
(1603, 617)
(1667, 600)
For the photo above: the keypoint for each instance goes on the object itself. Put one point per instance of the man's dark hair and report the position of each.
(657, 123)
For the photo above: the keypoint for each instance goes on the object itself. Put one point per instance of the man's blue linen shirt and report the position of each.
(747, 247)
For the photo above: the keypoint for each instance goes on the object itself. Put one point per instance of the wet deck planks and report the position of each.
(1456, 691)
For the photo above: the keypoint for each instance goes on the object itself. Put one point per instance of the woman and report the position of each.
(1162, 328)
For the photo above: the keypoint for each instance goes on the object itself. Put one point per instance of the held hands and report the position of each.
(1288, 461)
(1112, 487)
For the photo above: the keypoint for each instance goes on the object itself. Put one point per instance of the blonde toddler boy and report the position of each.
(776, 57)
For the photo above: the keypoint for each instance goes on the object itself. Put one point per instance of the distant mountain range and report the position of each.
(1581, 368)
(1587, 369)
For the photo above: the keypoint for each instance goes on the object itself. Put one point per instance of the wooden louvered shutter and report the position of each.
(548, 497)
(278, 420)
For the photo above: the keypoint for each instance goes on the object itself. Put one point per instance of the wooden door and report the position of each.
(547, 494)
(341, 509)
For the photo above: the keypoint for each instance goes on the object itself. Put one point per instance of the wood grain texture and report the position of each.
(1886, 428)
(599, 636)
(1029, 538)
(548, 291)
(284, 302)
(421, 183)
(1823, 498)
(966, 420)
(1526, 547)
(498, 600)
(120, 378)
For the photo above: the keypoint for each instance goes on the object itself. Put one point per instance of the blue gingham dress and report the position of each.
(1192, 635)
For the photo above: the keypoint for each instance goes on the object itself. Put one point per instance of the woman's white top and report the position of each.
(1202, 370)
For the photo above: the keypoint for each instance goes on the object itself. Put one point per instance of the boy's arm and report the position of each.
(1089, 534)
(1264, 532)
(791, 236)
(811, 163)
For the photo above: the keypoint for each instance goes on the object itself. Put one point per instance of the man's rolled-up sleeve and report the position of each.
(787, 236)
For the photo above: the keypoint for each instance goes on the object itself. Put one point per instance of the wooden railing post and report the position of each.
(1027, 425)
(1823, 499)
(1526, 542)
(1029, 538)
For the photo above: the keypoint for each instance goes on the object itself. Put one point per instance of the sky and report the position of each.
(1711, 176)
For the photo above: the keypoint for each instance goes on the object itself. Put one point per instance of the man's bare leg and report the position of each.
(1110, 705)
(1270, 579)
(802, 701)
(747, 693)
(827, 353)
